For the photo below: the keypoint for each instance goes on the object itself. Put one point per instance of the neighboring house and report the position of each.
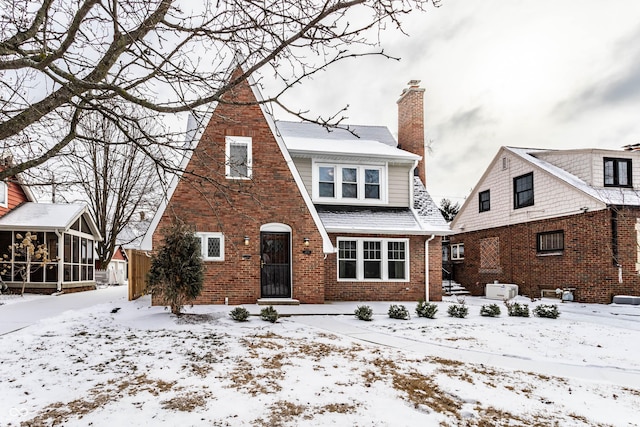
(67, 230)
(117, 269)
(553, 219)
(292, 211)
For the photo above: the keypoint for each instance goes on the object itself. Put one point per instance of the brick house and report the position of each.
(291, 212)
(549, 219)
(67, 230)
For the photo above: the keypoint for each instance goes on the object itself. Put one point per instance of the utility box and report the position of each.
(500, 291)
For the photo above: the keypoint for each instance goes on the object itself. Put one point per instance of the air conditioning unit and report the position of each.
(500, 291)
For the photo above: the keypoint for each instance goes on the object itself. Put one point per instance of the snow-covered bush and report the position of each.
(517, 310)
(269, 314)
(398, 312)
(458, 310)
(491, 310)
(240, 314)
(546, 310)
(426, 309)
(363, 312)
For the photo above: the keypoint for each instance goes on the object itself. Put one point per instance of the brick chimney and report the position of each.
(411, 124)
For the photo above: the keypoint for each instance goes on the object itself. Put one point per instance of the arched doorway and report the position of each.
(275, 261)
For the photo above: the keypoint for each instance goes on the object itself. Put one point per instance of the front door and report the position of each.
(275, 265)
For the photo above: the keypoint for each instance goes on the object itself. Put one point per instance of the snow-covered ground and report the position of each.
(143, 366)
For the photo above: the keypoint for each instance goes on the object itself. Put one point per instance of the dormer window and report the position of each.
(617, 172)
(348, 183)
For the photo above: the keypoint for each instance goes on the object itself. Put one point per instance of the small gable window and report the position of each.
(617, 172)
(211, 246)
(484, 198)
(3, 194)
(523, 191)
(238, 157)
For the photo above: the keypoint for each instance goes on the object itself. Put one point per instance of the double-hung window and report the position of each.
(617, 172)
(238, 157)
(523, 191)
(349, 183)
(211, 246)
(373, 259)
(484, 201)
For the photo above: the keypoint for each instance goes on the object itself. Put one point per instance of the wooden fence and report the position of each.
(139, 264)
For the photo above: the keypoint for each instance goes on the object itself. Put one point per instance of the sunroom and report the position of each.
(68, 234)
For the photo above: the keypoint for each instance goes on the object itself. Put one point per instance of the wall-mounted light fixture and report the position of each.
(306, 249)
(246, 240)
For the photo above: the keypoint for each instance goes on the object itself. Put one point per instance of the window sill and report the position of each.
(554, 253)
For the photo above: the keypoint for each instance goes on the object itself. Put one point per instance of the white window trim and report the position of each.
(382, 167)
(457, 246)
(385, 259)
(4, 191)
(245, 140)
(204, 250)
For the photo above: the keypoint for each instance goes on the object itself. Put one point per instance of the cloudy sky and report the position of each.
(527, 73)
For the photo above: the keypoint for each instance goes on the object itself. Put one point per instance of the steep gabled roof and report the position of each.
(196, 129)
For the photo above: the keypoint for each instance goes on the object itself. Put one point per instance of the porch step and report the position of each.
(278, 301)
(454, 289)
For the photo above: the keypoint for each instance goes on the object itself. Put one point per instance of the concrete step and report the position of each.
(278, 301)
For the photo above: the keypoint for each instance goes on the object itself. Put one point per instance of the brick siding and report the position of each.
(585, 264)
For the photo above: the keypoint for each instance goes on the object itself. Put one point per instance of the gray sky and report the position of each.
(528, 73)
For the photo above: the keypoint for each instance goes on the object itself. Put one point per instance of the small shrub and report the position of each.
(269, 314)
(398, 312)
(517, 310)
(546, 310)
(458, 310)
(364, 312)
(426, 309)
(240, 314)
(491, 310)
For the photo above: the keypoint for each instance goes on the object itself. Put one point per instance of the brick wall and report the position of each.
(206, 199)
(413, 290)
(586, 262)
(411, 125)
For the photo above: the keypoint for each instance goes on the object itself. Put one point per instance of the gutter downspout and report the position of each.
(426, 267)
(60, 260)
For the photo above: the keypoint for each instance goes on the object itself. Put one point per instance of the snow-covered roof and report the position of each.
(32, 216)
(427, 210)
(353, 219)
(368, 141)
(612, 196)
(315, 131)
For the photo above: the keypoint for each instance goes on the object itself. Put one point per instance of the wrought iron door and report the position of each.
(275, 265)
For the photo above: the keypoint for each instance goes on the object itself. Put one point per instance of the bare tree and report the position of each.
(115, 177)
(62, 58)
